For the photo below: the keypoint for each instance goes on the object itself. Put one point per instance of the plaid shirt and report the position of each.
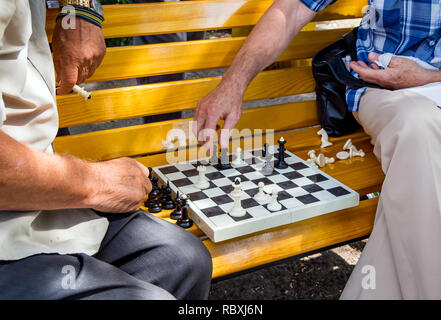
(402, 27)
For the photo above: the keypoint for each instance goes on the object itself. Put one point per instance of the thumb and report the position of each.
(373, 57)
(68, 78)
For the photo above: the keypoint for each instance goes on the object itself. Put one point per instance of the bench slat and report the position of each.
(157, 18)
(135, 101)
(148, 138)
(156, 59)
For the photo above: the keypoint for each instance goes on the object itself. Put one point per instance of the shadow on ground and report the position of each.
(319, 276)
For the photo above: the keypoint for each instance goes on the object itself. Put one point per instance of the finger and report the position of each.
(68, 78)
(83, 72)
(199, 120)
(209, 132)
(366, 73)
(373, 56)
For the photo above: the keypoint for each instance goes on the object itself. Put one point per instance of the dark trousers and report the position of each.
(141, 257)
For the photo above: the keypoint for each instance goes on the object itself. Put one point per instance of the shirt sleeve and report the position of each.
(7, 9)
(317, 5)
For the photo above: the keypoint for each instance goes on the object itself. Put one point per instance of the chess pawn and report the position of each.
(238, 160)
(353, 152)
(274, 205)
(202, 182)
(177, 213)
(325, 141)
(184, 221)
(312, 163)
(155, 206)
(322, 161)
(348, 144)
(267, 168)
(261, 196)
(311, 155)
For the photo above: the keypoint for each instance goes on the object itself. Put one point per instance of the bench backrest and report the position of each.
(146, 60)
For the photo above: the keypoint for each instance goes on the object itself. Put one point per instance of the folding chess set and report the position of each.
(253, 190)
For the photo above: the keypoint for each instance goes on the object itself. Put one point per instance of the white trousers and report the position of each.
(402, 258)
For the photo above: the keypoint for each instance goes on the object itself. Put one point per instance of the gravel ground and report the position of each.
(315, 277)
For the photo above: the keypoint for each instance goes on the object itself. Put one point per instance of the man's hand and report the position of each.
(77, 53)
(223, 103)
(267, 41)
(121, 185)
(400, 74)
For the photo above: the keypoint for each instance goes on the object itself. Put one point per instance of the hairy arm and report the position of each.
(267, 41)
(36, 180)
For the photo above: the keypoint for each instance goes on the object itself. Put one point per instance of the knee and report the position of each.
(415, 120)
(190, 255)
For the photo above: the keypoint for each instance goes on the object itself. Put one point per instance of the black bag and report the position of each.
(332, 77)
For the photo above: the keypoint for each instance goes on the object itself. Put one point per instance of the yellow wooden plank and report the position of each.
(157, 18)
(283, 242)
(135, 101)
(149, 138)
(167, 58)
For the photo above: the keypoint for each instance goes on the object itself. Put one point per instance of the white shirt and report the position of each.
(28, 114)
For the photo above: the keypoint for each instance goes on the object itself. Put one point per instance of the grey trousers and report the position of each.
(141, 257)
(402, 258)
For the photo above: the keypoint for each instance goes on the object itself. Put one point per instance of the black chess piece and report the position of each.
(155, 207)
(184, 222)
(265, 150)
(224, 161)
(166, 200)
(176, 214)
(281, 164)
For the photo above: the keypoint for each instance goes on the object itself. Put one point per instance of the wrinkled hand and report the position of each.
(77, 53)
(121, 185)
(402, 73)
(223, 103)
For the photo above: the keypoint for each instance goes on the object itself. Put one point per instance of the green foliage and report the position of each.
(114, 1)
(117, 42)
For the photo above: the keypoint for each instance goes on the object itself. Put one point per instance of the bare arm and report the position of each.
(36, 180)
(267, 41)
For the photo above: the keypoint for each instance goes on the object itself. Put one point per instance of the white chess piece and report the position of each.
(238, 159)
(274, 205)
(353, 152)
(325, 141)
(237, 188)
(342, 155)
(348, 144)
(311, 155)
(261, 196)
(237, 210)
(312, 163)
(202, 182)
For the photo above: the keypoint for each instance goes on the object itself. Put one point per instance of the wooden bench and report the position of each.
(296, 121)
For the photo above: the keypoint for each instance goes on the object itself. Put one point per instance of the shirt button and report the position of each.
(432, 43)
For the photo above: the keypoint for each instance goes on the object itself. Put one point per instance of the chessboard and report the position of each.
(303, 192)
